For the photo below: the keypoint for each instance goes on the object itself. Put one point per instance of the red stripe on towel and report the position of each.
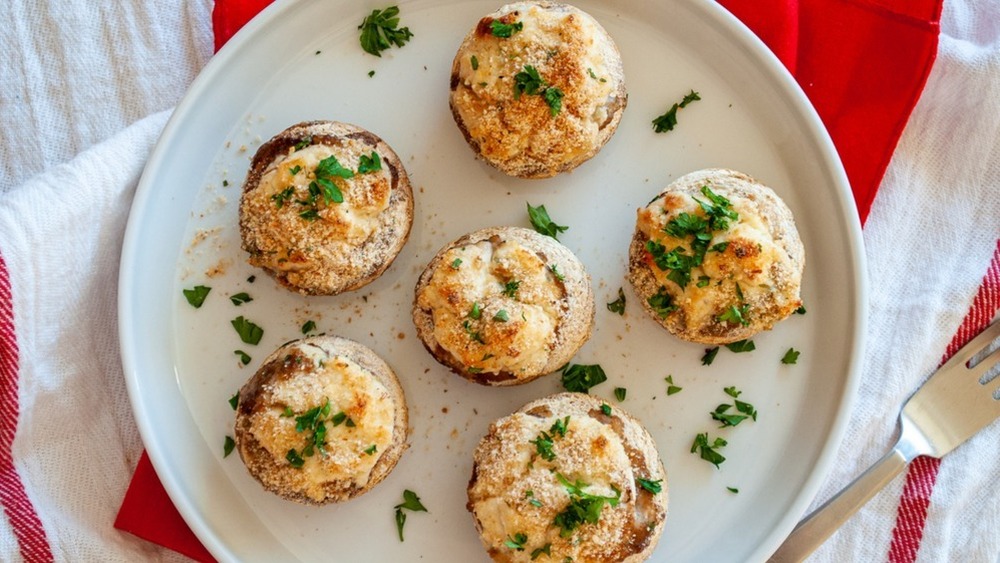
(28, 530)
(916, 498)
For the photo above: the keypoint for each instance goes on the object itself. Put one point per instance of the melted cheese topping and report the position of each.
(590, 452)
(482, 281)
(351, 390)
(568, 50)
(286, 240)
(752, 259)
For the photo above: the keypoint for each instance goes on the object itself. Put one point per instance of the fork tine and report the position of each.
(988, 363)
(965, 353)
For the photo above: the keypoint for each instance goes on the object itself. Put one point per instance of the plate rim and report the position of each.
(848, 216)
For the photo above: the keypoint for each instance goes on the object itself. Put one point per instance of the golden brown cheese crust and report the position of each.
(516, 489)
(504, 305)
(365, 424)
(758, 272)
(312, 245)
(518, 134)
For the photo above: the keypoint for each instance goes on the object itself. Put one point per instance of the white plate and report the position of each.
(300, 61)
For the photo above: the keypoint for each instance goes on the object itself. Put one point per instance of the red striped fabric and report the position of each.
(911, 516)
(28, 530)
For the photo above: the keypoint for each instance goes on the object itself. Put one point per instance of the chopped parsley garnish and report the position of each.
(308, 326)
(620, 393)
(410, 502)
(718, 208)
(733, 490)
(555, 272)
(314, 421)
(583, 507)
(655, 487)
(542, 223)
(371, 73)
(517, 542)
(294, 170)
(249, 332)
(590, 71)
(529, 82)
(708, 450)
(745, 409)
(741, 346)
(234, 401)
(505, 30)
(801, 310)
(474, 62)
(225, 183)
(720, 247)
(294, 459)
(790, 357)
(476, 312)
(501, 316)
(227, 448)
(473, 334)
(735, 315)
(510, 288)
(288, 412)
(244, 357)
(668, 120)
(251, 279)
(606, 409)
(380, 31)
(544, 442)
(368, 164)
(303, 143)
(328, 169)
(544, 550)
(282, 197)
(709, 356)
(671, 388)
(370, 450)
(553, 97)
(618, 305)
(456, 263)
(309, 214)
(196, 295)
(703, 281)
(530, 495)
(662, 303)
(240, 298)
(580, 378)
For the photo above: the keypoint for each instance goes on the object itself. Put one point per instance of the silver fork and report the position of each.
(945, 412)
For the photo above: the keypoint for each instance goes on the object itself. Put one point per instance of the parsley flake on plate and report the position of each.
(668, 120)
(410, 502)
(618, 305)
(196, 295)
(544, 224)
(249, 332)
(580, 378)
(380, 30)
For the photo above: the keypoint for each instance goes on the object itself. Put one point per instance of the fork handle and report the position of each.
(815, 528)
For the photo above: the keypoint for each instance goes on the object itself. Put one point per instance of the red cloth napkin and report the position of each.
(862, 63)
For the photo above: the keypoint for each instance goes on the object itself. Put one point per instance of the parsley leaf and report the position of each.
(234, 401)
(618, 305)
(517, 542)
(580, 378)
(505, 30)
(196, 295)
(501, 316)
(370, 450)
(708, 450)
(295, 459)
(790, 357)
(308, 326)
(553, 97)
(510, 288)
(240, 298)
(410, 502)
(583, 507)
(542, 223)
(474, 62)
(662, 303)
(655, 487)
(244, 357)
(741, 346)
(456, 263)
(620, 393)
(282, 197)
(379, 31)
(527, 82)
(733, 490)
(248, 331)
(227, 448)
(368, 164)
(671, 388)
(555, 272)
(668, 120)
(544, 550)
(709, 356)
(735, 315)
(606, 409)
(801, 310)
